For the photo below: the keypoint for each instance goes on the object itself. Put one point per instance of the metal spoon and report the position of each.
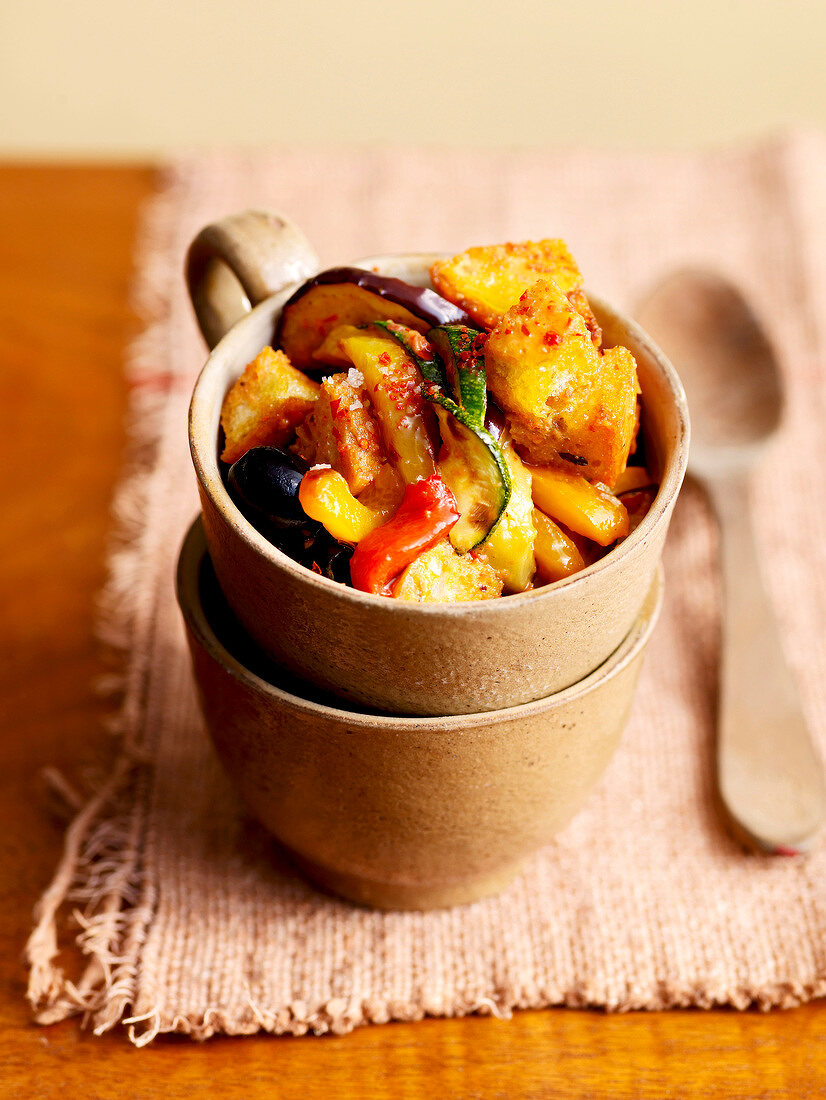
(769, 775)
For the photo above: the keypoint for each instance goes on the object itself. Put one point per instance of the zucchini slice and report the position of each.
(471, 462)
(464, 365)
(474, 469)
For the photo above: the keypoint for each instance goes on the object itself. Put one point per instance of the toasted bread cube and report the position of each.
(342, 432)
(266, 404)
(567, 403)
(440, 575)
(488, 280)
(314, 439)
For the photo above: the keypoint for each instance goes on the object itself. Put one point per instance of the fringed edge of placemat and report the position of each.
(100, 867)
(340, 1016)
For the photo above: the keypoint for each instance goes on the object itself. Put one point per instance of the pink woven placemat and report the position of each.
(190, 919)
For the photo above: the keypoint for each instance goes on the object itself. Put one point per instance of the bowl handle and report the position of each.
(237, 262)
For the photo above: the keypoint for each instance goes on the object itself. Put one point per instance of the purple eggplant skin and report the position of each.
(420, 300)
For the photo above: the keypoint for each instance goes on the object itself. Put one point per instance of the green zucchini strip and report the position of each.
(472, 463)
(464, 366)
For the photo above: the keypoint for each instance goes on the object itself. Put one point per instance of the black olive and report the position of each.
(327, 556)
(264, 484)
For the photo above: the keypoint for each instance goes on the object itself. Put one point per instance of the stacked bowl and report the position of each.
(405, 755)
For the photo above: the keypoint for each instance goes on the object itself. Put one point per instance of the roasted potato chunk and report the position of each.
(266, 404)
(567, 403)
(488, 280)
(440, 575)
(342, 432)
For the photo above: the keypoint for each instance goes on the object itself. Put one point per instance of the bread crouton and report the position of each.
(486, 281)
(440, 575)
(342, 432)
(266, 404)
(567, 403)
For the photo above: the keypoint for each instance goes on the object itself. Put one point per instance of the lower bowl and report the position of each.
(397, 812)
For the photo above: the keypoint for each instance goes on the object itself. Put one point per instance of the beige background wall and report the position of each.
(81, 77)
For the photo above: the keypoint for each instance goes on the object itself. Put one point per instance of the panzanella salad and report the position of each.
(446, 444)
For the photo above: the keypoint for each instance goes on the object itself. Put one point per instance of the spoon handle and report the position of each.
(769, 775)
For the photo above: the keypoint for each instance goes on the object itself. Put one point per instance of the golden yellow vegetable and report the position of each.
(588, 509)
(330, 350)
(509, 548)
(567, 403)
(557, 556)
(325, 496)
(266, 404)
(393, 384)
(632, 477)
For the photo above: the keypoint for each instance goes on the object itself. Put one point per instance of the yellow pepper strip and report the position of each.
(393, 383)
(556, 555)
(587, 509)
(633, 477)
(326, 497)
(331, 351)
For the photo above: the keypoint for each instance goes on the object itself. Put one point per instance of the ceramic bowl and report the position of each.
(414, 658)
(393, 812)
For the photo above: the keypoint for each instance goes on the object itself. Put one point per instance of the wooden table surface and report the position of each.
(66, 237)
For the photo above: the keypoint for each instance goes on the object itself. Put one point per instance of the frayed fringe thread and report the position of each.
(100, 864)
(339, 1016)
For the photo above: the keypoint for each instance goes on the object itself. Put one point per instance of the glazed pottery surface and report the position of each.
(401, 812)
(414, 658)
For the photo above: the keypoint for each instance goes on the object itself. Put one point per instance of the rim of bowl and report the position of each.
(204, 454)
(188, 589)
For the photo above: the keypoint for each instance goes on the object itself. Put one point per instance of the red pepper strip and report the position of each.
(427, 512)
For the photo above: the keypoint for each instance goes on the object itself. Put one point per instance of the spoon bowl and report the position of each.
(726, 363)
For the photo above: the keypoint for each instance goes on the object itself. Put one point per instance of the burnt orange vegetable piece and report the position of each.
(637, 503)
(631, 478)
(488, 280)
(266, 404)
